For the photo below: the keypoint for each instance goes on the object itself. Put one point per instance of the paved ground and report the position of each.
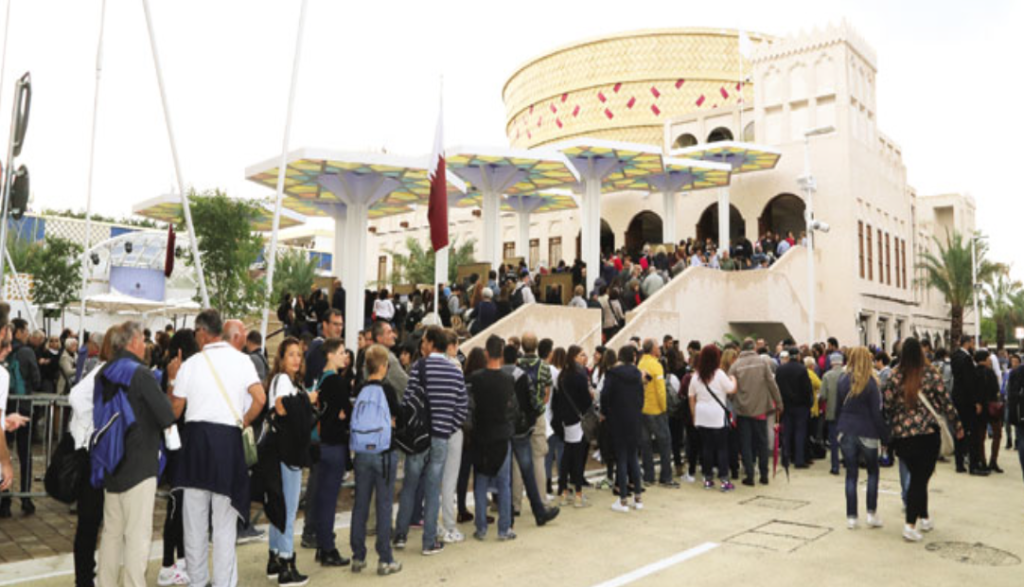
(776, 535)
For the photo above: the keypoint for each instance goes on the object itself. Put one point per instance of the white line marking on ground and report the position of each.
(660, 565)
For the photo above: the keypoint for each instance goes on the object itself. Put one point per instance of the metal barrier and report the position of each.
(54, 408)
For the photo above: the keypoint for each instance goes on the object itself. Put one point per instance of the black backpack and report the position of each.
(527, 414)
(517, 297)
(413, 432)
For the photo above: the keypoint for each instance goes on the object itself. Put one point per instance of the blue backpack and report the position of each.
(371, 421)
(112, 417)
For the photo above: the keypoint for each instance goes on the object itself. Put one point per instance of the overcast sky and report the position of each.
(949, 84)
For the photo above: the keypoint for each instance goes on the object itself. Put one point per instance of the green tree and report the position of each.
(294, 273)
(999, 300)
(23, 251)
(417, 265)
(56, 272)
(949, 272)
(228, 247)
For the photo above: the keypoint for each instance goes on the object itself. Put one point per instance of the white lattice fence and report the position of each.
(12, 291)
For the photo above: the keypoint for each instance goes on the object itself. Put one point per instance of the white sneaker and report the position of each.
(911, 535)
(925, 525)
(172, 575)
(687, 478)
(453, 536)
(637, 504)
(874, 521)
(618, 506)
(851, 523)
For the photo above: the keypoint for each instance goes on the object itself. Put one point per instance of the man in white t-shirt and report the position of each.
(219, 386)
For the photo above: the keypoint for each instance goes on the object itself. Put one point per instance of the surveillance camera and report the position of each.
(820, 226)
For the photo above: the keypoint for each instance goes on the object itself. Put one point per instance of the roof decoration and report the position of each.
(742, 157)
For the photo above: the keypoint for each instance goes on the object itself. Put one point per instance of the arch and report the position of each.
(607, 237)
(644, 228)
(748, 132)
(798, 83)
(707, 226)
(684, 140)
(783, 213)
(720, 134)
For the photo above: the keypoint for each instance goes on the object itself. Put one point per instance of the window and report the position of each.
(684, 140)
(903, 254)
(860, 241)
(881, 259)
(534, 252)
(889, 275)
(554, 250)
(382, 270)
(896, 260)
(720, 134)
(871, 257)
(509, 250)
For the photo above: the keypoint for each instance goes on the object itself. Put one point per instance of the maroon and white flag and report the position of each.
(437, 212)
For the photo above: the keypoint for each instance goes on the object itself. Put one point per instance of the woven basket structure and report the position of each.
(624, 87)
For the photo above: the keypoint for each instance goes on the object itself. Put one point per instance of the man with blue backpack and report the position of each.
(376, 464)
(130, 414)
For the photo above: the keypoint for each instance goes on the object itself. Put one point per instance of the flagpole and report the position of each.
(186, 210)
(440, 256)
(282, 168)
(92, 165)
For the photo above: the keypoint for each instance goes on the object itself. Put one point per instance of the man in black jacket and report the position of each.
(964, 393)
(1015, 405)
(798, 396)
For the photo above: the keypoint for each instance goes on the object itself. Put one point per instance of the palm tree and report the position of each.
(295, 273)
(949, 272)
(417, 266)
(999, 299)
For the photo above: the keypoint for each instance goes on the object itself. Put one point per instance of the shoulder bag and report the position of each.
(730, 418)
(589, 421)
(947, 447)
(248, 437)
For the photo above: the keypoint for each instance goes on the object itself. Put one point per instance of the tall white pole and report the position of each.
(668, 204)
(194, 240)
(974, 291)
(92, 165)
(282, 168)
(20, 287)
(809, 217)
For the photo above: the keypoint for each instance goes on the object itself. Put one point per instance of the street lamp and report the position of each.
(974, 287)
(810, 185)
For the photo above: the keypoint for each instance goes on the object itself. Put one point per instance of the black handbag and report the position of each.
(68, 469)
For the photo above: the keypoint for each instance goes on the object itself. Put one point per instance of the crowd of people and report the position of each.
(222, 427)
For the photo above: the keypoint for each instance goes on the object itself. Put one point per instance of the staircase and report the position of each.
(565, 326)
(705, 304)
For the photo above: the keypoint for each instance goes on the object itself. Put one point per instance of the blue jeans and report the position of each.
(904, 481)
(627, 468)
(374, 474)
(282, 542)
(502, 484)
(833, 442)
(656, 426)
(853, 449)
(331, 472)
(523, 452)
(556, 446)
(430, 464)
(794, 435)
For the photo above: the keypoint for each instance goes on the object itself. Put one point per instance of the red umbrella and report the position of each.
(775, 453)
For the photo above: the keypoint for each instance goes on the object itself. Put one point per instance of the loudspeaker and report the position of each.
(23, 99)
(19, 192)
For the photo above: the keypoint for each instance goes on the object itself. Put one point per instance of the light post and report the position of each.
(810, 185)
(974, 289)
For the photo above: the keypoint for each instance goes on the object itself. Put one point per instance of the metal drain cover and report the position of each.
(973, 554)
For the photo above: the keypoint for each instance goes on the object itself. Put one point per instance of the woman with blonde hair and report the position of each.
(861, 429)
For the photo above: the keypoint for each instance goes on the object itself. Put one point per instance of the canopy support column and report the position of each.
(668, 204)
(492, 227)
(723, 219)
(591, 229)
(354, 269)
(523, 240)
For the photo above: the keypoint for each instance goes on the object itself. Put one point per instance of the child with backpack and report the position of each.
(376, 466)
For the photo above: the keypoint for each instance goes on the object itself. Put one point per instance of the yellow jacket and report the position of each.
(654, 390)
(816, 388)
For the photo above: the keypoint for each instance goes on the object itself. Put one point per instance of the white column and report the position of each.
(723, 218)
(491, 210)
(591, 225)
(354, 268)
(668, 205)
(523, 241)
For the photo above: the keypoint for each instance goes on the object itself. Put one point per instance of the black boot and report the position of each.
(332, 558)
(5, 508)
(290, 576)
(274, 566)
(27, 507)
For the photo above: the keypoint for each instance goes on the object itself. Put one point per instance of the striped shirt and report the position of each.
(445, 394)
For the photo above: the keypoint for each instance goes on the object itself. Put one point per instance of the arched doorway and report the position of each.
(707, 226)
(607, 240)
(782, 214)
(684, 140)
(645, 228)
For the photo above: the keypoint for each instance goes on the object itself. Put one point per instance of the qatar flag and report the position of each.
(437, 212)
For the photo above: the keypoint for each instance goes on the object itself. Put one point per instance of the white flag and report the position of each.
(746, 47)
